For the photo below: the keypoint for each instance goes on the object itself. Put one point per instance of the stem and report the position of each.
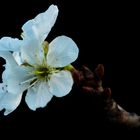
(91, 83)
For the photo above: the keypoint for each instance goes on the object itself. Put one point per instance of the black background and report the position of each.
(105, 32)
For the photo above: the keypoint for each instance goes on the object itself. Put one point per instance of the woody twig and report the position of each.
(91, 83)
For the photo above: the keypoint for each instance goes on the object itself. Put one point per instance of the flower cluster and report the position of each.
(36, 66)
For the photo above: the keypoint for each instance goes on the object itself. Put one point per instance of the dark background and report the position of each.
(105, 32)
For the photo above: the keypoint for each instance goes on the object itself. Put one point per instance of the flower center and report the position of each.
(44, 72)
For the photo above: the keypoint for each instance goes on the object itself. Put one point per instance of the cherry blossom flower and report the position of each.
(36, 66)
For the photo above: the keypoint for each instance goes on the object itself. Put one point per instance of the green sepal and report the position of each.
(69, 67)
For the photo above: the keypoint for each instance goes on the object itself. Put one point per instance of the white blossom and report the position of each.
(35, 66)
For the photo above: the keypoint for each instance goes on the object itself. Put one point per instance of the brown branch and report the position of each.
(91, 83)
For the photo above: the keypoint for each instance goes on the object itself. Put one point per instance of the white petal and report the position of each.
(35, 31)
(14, 81)
(18, 58)
(38, 96)
(10, 44)
(13, 74)
(62, 51)
(8, 101)
(10, 64)
(61, 83)
(8, 57)
(40, 26)
(32, 52)
(13, 77)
